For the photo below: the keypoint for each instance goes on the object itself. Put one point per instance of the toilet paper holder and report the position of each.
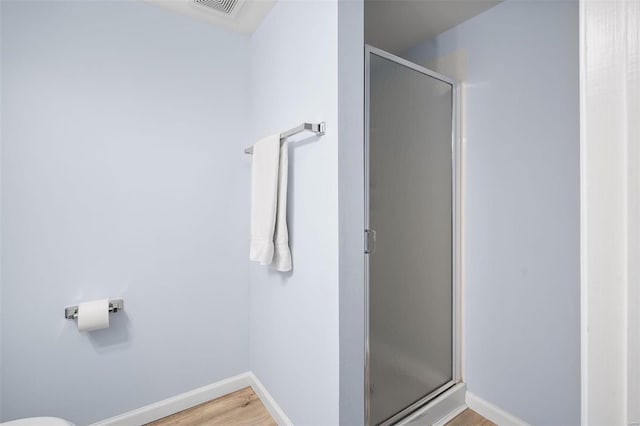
(71, 312)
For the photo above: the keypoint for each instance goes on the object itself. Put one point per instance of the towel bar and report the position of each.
(317, 128)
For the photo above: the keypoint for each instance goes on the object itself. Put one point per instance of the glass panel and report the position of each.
(410, 202)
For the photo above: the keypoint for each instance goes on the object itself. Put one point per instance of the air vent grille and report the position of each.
(223, 6)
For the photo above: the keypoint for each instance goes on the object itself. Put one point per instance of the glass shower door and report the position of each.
(410, 221)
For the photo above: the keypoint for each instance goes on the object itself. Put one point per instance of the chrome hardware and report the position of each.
(369, 241)
(317, 128)
(71, 312)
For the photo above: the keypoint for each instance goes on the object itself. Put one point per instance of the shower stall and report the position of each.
(412, 247)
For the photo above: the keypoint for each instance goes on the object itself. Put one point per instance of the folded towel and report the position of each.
(282, 254)
(264, 196)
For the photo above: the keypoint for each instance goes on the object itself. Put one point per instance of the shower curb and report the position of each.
(440, 410)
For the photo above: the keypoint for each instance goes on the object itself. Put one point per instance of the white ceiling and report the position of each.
(397, 25)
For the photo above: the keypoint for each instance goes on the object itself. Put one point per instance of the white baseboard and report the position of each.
(270, 404)
(192, 398)
(439, 411)
(489, 411)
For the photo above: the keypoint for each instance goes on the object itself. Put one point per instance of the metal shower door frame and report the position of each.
(456, 156)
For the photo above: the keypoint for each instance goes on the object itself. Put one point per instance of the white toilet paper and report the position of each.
(93, 315)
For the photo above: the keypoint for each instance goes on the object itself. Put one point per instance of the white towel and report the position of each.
(282, 254)
(264, 196)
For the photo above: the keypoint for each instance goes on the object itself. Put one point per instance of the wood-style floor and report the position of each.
(244, 408)
(470, 418)
(240, 408)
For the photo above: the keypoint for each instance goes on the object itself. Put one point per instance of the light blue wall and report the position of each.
(294, 316)
(1, 72)
(351, 206)
(522, 214)
(122, 176)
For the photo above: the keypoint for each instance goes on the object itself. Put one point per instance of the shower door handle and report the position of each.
(369, 241)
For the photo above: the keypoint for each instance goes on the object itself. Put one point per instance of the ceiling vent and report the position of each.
(241, 16)
(228, 8)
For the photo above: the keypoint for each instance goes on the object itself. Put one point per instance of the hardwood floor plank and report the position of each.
(470, 418)
(240, 408)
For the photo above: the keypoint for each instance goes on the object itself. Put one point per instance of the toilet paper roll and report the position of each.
(93, 315)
